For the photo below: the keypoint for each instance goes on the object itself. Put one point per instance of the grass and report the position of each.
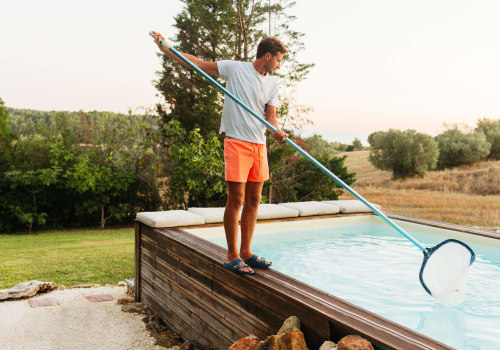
(67, 257)
(468, 195)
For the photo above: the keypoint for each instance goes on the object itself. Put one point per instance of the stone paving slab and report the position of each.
(99, 297)
(41, 302)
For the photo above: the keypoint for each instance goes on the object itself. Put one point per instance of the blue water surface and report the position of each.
(371, 265)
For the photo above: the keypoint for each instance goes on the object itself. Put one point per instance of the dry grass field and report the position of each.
(468, 195)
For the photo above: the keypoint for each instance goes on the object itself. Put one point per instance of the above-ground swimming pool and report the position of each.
(366, 262)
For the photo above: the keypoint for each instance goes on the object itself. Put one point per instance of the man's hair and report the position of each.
(271, 45)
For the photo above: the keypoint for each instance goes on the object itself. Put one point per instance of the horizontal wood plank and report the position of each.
(184, 315)
(159, 306)
(225, 306)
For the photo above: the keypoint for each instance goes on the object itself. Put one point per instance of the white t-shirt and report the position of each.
(253, 89)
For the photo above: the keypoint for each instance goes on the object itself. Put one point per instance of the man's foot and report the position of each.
(239, 267)
(257, 261)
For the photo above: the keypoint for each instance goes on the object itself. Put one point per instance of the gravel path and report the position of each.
(75, 323)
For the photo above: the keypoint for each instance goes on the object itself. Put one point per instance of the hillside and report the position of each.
(468, 195)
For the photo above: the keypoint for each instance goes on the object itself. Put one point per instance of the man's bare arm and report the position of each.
(208, 67)
(279, 135)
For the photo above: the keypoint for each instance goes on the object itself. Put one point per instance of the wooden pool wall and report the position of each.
(179, 276)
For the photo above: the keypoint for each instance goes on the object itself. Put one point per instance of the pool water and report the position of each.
(371, 265)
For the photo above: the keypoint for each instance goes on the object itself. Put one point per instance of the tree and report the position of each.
(98, 163)
(5, 137)
(5, 132)
(195, 167)
(491, 129)
(319, 146)
(297, 179)
(206, 30)
(457, 148)
(316, 185)
(33, 174)
(339, 147)
(406, 153)
(357, 145)
(115, 168)
(101, 184)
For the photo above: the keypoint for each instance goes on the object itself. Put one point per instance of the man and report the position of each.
(245, 153)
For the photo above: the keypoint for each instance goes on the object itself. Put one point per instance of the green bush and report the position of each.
(315, 184)
(195, 167)
(294, 178)
(406, 153)
(457, 148)
(491, 129)
(77, 169)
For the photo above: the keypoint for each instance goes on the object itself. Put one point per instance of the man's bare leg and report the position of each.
(235, 198)
(253, 194)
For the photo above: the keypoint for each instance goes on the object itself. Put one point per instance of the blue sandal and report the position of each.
(252, 262)
(233, 266)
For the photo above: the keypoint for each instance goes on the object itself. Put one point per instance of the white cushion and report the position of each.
(274, 211)
(170, 218)
(353, 206)
(211, 215)
(312, 208)
(266, 211)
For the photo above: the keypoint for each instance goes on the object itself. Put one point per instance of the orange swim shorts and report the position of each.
(245, 161)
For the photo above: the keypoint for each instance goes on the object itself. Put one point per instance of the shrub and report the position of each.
(406, 153)
(5, 137)
(78, 170)
(315, 184)
(294, 178)
(457, 148)
(491, 129)
(319, 146)
(195, 167)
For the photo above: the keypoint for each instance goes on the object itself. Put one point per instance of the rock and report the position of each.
(154, 324)
(61, 287)
(270, 343)
(247, 343)
(27, 289)
(191, 345)
(294, 340)
(130, 291)
(177, 347)
(328, 345)
(290, 340)
(122, 284)
(354, 342)
(163, 335)
(292, 323)
(125, 299)
(137, 308)
(168, 339)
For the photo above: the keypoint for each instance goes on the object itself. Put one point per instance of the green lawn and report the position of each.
(67, 257)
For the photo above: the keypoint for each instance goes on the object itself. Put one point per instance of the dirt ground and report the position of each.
(76, 323)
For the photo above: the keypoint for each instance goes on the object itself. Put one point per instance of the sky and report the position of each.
(378, 64)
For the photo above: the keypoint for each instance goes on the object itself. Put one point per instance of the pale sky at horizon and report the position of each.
(379, 64)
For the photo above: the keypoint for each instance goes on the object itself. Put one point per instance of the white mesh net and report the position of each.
(445, 272)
